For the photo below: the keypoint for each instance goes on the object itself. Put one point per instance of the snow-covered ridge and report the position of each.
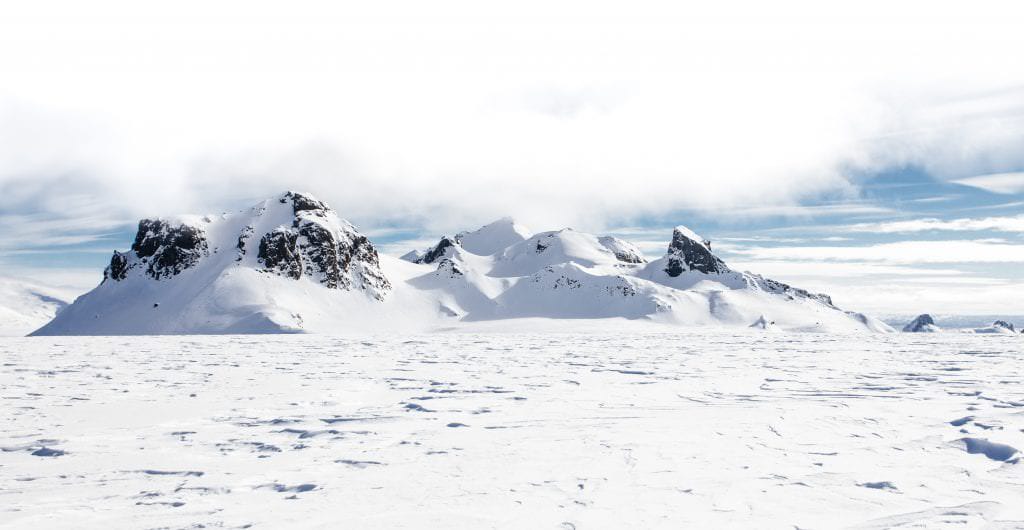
(567, 274)
(291, 264)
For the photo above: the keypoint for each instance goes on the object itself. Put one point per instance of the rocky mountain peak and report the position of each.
(922, 324)
(322, 247)
(493, 237)
(442, 249)
(304, 202)
(690, 252)
(313, 242)
(1003, 324)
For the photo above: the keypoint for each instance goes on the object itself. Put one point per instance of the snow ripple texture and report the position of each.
(699, 429)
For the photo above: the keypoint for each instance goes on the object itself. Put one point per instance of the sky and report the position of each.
(869, 150)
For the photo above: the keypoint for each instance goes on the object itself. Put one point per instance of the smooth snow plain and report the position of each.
(684, 429)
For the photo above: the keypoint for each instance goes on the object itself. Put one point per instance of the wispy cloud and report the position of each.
(999, 224)
(1005, 183)
(903, 252)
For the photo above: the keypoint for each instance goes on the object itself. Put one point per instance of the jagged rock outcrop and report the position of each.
(922, 324)
(320, 246)
(690, 252)
(315, 244)
(777, 287)
(162, 249)
(438, 251)
(278, 252)
(999, 327)
(1003, 324)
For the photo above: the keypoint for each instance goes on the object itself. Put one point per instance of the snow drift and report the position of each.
(291, 264)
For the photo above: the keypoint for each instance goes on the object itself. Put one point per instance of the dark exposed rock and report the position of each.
(438, 251)
(118, 269)
(687, 254)
(629, 257)
(318, 246)
(777, 287)
(331, 253)
(623, 251)
(1003, 324)
(243, 238)
(450, 268)
(922, 324)
(162, 248)
(303, 203)
(278, 253)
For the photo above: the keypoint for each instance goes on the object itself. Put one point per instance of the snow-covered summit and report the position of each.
(493, 237)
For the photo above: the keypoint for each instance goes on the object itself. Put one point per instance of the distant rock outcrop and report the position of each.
(690, 252)
(999, 327)
(1003, 324)
(441, 250)
(763, 323)
(922, 324)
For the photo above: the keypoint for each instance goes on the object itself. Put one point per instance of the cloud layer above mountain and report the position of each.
(578, 113)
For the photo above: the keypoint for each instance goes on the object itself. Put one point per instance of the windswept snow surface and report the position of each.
(698, 428)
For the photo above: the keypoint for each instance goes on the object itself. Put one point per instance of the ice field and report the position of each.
(687, 429)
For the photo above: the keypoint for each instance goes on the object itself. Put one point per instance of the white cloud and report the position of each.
(900, 253)
(1006, 183)
(452, 114)
(939, 297)
(1000, 224)
(831, 270)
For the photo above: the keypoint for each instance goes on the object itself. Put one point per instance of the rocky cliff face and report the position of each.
(1003, 324)
(161, 249)
(322, 247)
(438, 251)
(313, 243)
(690, 252)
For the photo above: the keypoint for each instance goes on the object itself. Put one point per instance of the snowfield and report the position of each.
(684, 429)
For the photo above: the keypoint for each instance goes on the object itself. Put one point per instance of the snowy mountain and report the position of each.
(25, 305)
(922, 324)
(290, 264)
(265, 269)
